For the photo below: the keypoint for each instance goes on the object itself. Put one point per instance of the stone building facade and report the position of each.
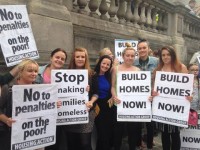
(95, 24)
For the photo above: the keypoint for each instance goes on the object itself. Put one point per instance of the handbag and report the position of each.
(193, 118)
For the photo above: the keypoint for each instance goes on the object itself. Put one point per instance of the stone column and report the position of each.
(128, 14)
(175, 31)
(149, 19)
(93, 6)
(154, 21)
(160, 21)
(112, 11)
(142, 16)
(103, 9)
(165, 21)
(82, 4)
(121, 12)
(136, 17)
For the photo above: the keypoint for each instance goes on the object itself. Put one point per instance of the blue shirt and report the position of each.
(104, 86)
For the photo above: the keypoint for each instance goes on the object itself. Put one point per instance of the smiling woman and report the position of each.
(105, 119)
(169, 63)
(79, 135)
(128, 56)
(57, 61)
(28, 70)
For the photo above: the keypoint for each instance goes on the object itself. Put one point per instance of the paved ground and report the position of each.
(157, 140)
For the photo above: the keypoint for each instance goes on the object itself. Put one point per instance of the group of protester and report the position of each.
(102, 95)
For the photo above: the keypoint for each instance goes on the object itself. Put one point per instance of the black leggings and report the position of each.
(171, 141)
(132, 130)
(60, 140)
(150, 132)
(79, 141)
(104, 125)
(5, 140)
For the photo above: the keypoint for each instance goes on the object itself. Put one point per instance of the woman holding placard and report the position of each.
(169, 63)
(128, 56)
(105, 119)
(79, 136)
(57, 60)
(28, 70)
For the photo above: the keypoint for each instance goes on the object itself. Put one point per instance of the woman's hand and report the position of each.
(89, 105)
(189, 98)
(150, 98)
(88, 88)
(110, 102)
(153, 94)
(116, 100)
(59, 103)
(9, 122)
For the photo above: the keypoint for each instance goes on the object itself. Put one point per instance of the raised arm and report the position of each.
(113, 86)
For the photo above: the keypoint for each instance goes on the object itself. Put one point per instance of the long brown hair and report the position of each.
(72, 64)
(175, 63)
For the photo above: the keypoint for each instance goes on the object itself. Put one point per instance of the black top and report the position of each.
(4, 79)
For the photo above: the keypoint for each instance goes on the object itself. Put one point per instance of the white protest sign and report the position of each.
(173, 85)
(120, 45)
(134, 89)
(70, 82)
(34, 100)
(16, 37)
(133, 83)
(190, 137)
(73, 111)
(33, 133)
(134, 108)
(190, 141)
(171, 111)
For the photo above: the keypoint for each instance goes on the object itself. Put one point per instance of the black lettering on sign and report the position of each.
(174, 78)
(30, 95)
(173, 91)
(141, 76)
(6, 15)
(69, 78)
(132, 104)
(133, 89)
(171, 107)
(119, 54)
(39, 122)
(191, 139)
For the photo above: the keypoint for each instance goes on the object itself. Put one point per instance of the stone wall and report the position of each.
(57, 23)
